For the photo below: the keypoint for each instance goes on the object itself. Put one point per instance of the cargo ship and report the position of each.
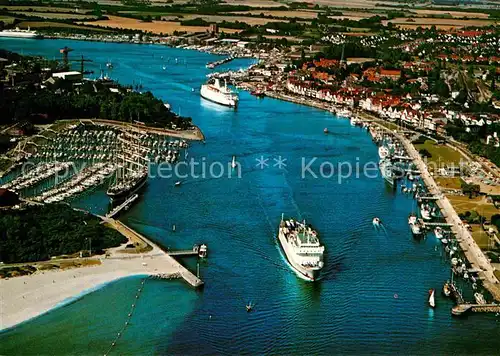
(302, 248)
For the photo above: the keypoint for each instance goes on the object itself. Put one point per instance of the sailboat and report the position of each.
(432, 302)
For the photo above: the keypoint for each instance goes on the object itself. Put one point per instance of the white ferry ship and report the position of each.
(218, 93)
(302, 248)
(20, 33)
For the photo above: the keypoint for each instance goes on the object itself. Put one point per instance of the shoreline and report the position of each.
(73, 298)
(34, 295)
(31, 296)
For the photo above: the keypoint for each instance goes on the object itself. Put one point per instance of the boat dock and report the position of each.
(472, 252)
(434, 224)
(122, 206)
(461, 309)
(433, 198)
(186, 253)
(212, 65)
(182, 271)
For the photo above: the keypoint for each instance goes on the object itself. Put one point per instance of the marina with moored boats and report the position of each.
(60, 165)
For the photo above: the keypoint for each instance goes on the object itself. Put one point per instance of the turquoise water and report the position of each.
(354, 308)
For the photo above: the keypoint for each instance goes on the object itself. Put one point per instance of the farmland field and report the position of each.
(45, 24)
(156, 27)
(54, 15)
(439, 23)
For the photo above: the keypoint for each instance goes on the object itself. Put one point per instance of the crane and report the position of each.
(65, 51)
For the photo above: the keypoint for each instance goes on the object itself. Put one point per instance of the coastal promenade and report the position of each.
(472, 251)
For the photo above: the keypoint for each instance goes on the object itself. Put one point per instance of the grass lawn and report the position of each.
(449, 183)
(480, 236)
(440, 154)
(479, 204)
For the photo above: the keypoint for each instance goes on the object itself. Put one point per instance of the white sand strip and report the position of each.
(25, 297)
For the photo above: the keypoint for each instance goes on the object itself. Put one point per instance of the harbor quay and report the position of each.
(472, 251)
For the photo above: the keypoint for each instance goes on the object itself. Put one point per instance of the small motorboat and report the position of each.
(249, 307)
(376, 221)
(479, 298)
(446, 289)
(432, 301)
(438, 231)
(233, 162)
(178, 183)
(325, 130)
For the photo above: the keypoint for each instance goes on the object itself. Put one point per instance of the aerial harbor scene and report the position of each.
(249, 177)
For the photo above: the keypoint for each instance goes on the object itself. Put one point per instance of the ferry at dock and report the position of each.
(302, 248)
(218, 93)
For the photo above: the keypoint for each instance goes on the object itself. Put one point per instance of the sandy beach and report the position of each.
(26, 297)
(23, 298)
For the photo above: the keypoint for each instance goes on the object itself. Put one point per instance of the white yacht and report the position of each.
(383, 152)
(218, 93)
(302, 248)
(425, 212)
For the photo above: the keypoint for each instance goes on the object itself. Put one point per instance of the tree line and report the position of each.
(39, 232)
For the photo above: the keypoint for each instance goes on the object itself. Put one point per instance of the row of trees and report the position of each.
(40, 232)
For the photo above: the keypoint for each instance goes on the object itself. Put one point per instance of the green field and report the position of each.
(441, 154)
